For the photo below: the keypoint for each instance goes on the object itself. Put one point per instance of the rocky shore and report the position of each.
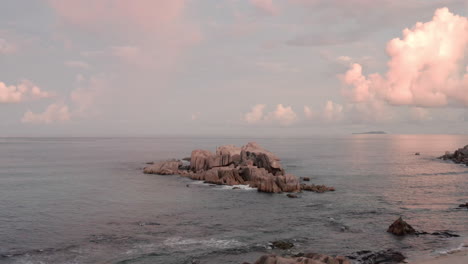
(230, 165)
(459, 156)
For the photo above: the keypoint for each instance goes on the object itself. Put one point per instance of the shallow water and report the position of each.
(85, 200)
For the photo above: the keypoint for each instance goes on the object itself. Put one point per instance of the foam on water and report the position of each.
(212, 243)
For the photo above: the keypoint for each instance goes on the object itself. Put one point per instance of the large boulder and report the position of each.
(200, 160)
(221, 176)
(310, 258)
(401, 228)
(257, 156)
(169, 167)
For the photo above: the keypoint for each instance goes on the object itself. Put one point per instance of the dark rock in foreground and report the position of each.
(310, 258)
(401, 228)
(282, 244)
(459, 156)
(249, 165)
(465, 205)
(385, 256)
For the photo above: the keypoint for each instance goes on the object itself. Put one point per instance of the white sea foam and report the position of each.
(213, 243)
(242, 187)
(461, 247)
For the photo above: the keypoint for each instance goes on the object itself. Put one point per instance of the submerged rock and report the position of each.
(290, 195)
(316, 188)
(401, 228)
(465, 205)
(169, 167)
(309, 258)
(388, 256)
(282, 244)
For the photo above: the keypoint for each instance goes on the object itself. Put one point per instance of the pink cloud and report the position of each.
(6, 47)
(24, 91)
(157, 30)
(266, 6)
(308, 113)
(332, 112)
(255, 115)
(427, 66)
(53, 113)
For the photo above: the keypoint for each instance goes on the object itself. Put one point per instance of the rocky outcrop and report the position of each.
(316, 188)
(459, 156)
(401, 228)
(169, 167)
(310, 258)
(230, 165)
(261, 158)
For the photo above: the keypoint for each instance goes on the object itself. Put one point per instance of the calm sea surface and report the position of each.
(85, 200)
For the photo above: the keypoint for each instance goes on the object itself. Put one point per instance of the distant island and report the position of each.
(371, 132)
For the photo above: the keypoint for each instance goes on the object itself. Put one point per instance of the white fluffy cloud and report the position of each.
(26, 90)
(428, 66)
(283, 115)
(53, 113)
(255, 115)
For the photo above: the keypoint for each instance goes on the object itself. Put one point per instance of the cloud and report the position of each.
(53, 113)
(6, 47)
(332, 112)
(282, 115)
(420, 114)
(428, 66)
(77, 64)
(255, 115)
(195, 116)
(308, 113)
(24, 91)
(266, 6)
(157, 30)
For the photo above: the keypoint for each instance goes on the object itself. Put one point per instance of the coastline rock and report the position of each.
(230, 165)
(385, 256)
(290, 195)
(200, 160)
(401, 228)
(169, 167)
(305, 178)
(459, 156)
(310, 258)
(261, 158)
(316, 188)
(463, 205)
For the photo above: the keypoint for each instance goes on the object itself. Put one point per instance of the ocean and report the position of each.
(86, 200)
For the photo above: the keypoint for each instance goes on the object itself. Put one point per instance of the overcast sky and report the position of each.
(232, 67)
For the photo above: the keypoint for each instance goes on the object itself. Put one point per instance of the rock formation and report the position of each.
(169, 167)
(459, 156)
(250, 165)
(310, 258)
(401, 228)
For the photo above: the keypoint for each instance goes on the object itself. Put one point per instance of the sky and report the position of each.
(233, 67)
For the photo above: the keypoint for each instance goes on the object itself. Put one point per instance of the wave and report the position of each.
(461, 247)
(204, 243)
(241, 187)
